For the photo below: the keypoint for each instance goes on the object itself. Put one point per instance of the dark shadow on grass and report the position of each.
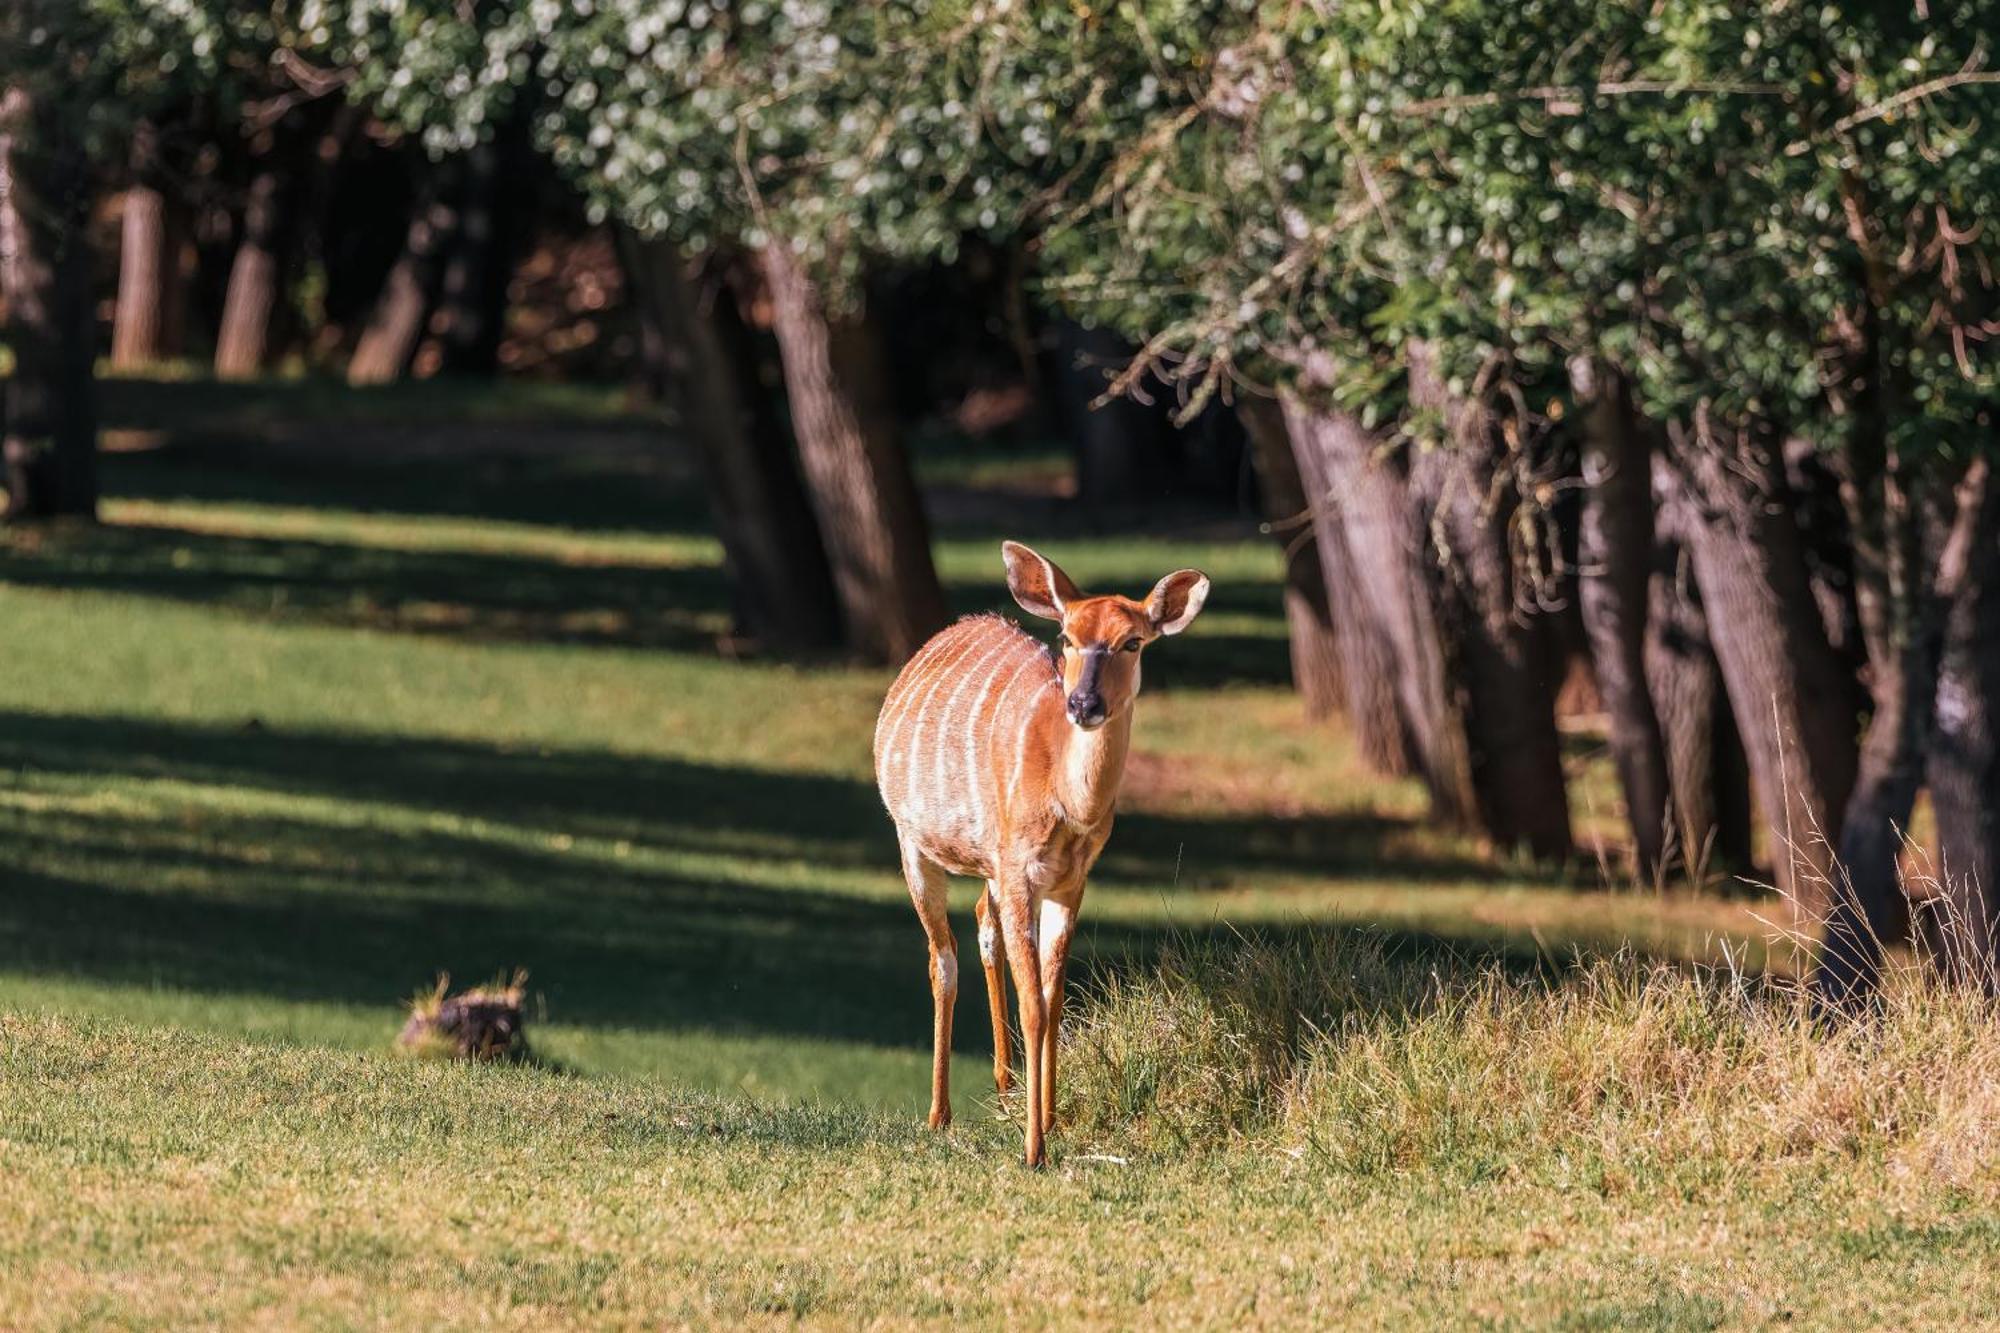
(601, 483)
(583, 866)
(480, 595)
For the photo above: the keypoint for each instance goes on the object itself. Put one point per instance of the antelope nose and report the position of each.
(1086, 709)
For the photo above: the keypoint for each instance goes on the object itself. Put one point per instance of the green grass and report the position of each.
(349, 692)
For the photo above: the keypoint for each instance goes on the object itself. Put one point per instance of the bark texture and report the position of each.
(147, 325)
(246, 338)
(48, 445)
(1615, 557)
(856, 470)
(782, 584)
(1899, 610)
(1963, 771)
(1380, 557)
(1795, 707)
(1685, 682)
(1501, 649)
(1317, 670)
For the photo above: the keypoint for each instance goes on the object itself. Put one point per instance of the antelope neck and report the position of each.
(1092, 768)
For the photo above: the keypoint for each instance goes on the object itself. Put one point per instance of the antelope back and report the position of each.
(953, 738)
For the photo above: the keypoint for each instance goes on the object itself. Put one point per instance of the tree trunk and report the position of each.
(1315, 645)
(389, 340)
(1368, 670)
(1505, 665)
(1964, 763)
(777, 565)
(48, 445)
(146, 328)
(1615, 556)
(1384, 546)
(1710, 816)
(857, 472)
(1900, 619)
(1794, 707)
(257, 277)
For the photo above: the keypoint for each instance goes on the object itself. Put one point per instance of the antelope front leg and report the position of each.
(988, 913)
(1017, 928)
(1058, 924)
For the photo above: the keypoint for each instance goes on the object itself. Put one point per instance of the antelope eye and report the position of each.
(1132, 645)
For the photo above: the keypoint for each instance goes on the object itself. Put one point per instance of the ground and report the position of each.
(354, 689)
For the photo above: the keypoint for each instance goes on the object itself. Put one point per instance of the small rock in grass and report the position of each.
(483, 1023)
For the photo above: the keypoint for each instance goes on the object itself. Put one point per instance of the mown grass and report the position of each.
(342, 697)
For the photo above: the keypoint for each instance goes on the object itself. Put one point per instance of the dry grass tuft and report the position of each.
(1612, 1072)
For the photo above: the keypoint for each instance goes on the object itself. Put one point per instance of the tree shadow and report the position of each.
(482, 595)
(642, 892)
(604, 481)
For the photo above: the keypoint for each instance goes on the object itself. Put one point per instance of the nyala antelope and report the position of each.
(999, 762)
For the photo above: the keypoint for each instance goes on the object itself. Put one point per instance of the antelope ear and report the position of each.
(1176, 600)
(1037, 584)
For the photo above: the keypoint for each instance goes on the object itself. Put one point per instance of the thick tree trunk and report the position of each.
(1384, 544)
(147, 325)
(857, 472)
(389, 340)
(1368, 668)
(1506, 665)
(257, 276)
(48, 445)
(1315, 644)
(1709, 821)
(1899, 614)
(1794, 707)
(771, 544)
(1615, 557)
(1964, 763)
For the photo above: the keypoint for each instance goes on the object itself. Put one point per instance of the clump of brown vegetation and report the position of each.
(483, 1023)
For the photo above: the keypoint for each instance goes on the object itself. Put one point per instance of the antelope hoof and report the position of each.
(1003, 1079)
(941, 1119)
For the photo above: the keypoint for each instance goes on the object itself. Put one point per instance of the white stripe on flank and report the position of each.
(974, 732)
(941, 747)
(912, 673)
(913, 723)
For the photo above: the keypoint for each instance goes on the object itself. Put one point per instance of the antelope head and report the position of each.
(1102, 637)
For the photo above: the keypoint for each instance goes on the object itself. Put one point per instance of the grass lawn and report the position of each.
(347, 694)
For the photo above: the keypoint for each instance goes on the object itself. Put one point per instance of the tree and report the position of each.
(770, 537)
(1319, 670)
(1615, 552)
(775, 132)
(395, 325)
(151, 292)
(50, 434)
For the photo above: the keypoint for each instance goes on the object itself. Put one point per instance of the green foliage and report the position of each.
(1717, 199)
(1744, 208)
